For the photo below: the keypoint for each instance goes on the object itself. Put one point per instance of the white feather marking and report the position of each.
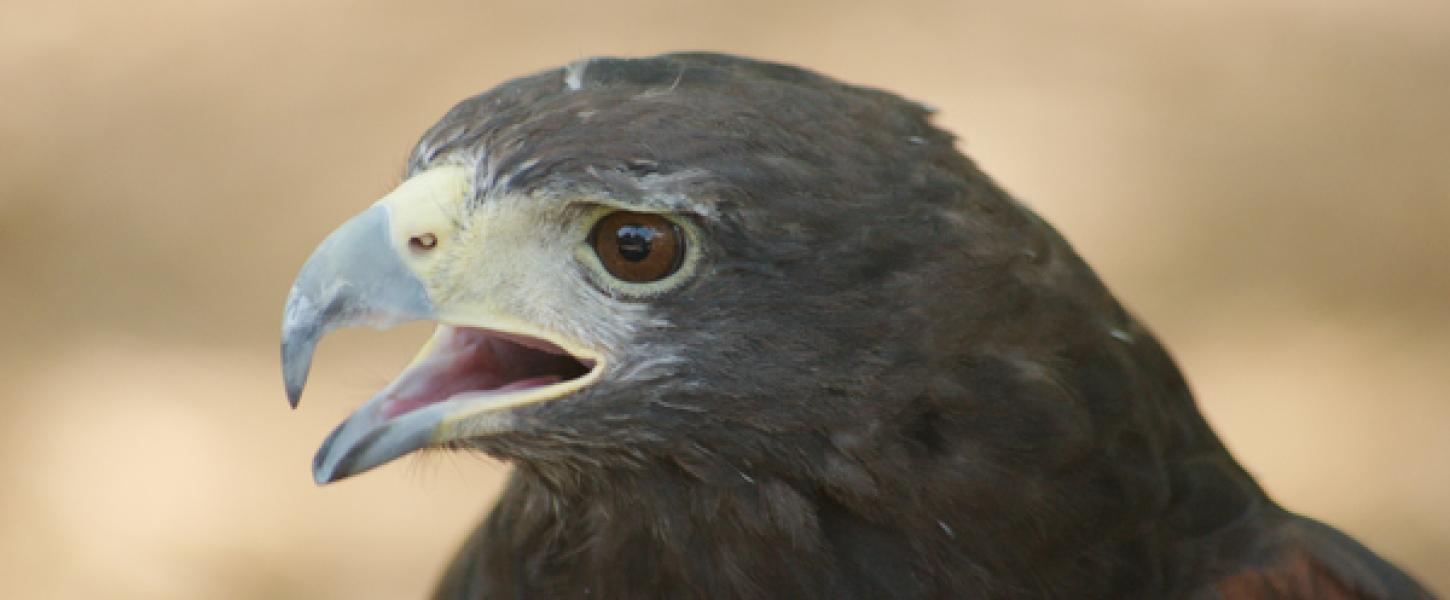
(509, 178)
(574, 74)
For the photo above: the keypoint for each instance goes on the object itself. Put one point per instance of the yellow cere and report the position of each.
(429, 203)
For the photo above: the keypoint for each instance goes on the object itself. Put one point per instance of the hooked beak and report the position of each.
(353, 278)
(478, 363)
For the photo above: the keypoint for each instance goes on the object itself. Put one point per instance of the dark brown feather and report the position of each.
(1306, 560)
(895, 380)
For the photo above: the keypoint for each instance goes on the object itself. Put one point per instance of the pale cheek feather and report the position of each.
(517, 259)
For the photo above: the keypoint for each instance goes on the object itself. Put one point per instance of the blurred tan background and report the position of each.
(1266, 183)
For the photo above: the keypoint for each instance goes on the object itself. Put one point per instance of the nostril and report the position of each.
(423, 241)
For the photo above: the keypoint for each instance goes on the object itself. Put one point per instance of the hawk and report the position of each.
(745, 331)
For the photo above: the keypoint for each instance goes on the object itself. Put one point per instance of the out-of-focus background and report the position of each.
(1266, 183)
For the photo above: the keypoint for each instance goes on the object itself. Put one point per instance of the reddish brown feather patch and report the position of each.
(1297, 575)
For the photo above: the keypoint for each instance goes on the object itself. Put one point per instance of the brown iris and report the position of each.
(638, 247)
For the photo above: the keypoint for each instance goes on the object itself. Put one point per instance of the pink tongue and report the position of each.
(463, 363)
(531, 382)
(451, 369)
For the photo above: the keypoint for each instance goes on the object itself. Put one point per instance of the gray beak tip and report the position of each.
(363, 442)
(296, 362)
(294, 396)
(324, 465)
(322, 475)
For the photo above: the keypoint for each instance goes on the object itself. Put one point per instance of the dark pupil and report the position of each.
(634, 242)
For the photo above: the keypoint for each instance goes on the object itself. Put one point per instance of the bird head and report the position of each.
(732, 267)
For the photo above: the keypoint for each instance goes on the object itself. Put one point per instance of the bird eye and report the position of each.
(638, 247)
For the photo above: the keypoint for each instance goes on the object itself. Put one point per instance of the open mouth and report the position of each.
(466, 364)
(482, 364)
(461, 376)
